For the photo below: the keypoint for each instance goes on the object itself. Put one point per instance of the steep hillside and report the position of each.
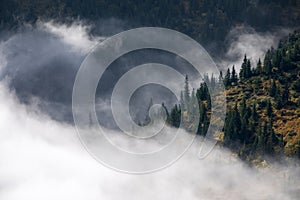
(208, 21)
(263, 115)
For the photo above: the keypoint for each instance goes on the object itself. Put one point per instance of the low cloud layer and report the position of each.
(42, 158)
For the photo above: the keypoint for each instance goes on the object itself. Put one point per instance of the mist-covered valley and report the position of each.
(42, 157)
(254, 46)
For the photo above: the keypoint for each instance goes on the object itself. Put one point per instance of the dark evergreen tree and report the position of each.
(273, 88)
(237, 123)
(278, 99)
(175, 116)
(259, 69)
(267, 63)
(248, 69)
(243, 70)
(254, 114)
(221, 79)
(229, 127)
(186, 93)
(285, 94)
(269, 109)
(227, 80)
(234, 77)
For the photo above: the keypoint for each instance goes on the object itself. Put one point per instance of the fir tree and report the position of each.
(227, 80)
(259, 67)
(234, 78)
(237, 122)
(285, 94)
(273, 88)
(254, 114)
(248, 69)
(221, 79)
(269, 108)
(186, 92)
(278, 99)
(267, 63)
(243, 70)
(175, 116)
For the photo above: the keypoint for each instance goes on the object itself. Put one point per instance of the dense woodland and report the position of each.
(207, 21)
(263, 103)
(263, 115)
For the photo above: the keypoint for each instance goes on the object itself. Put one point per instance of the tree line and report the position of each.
(249, 124)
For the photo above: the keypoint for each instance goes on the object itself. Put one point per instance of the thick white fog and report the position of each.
(41, 158)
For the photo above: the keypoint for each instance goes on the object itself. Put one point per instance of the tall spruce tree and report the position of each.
(227, 79)
(273, 88)
(221, 79)
(243, 68)
(267, 63)
(234, 77)
(269, 109)
(285, 93)
(259, 67)
(186, 92)
(237, 123)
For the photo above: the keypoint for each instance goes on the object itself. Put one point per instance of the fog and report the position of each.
(42, 158)
(246, 40)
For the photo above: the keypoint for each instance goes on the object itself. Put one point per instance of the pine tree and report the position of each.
(285, 94)
(278, 99)
(192, 106)
(186, 92)
(227, 80)
(272, 139)
(269, 108)
(254, 114)
(175, 116)
(259, 67)
(267, 63)
(264, 136)
(261, 140)
(243, 107)
(243, 69)
(237, 123)
(273, 88)
(248, 69)
(229, 127)
(234, 78)
(221, 79)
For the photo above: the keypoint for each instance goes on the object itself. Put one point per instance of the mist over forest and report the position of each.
(255, 45)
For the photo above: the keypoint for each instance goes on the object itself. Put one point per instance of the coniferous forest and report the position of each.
(263, 103)
(263, 97)
(97, 102)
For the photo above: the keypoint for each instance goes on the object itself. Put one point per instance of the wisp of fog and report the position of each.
(42, 158)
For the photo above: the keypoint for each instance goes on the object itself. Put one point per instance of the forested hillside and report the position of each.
(205, 20)
(263, 98)
(263, 114)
